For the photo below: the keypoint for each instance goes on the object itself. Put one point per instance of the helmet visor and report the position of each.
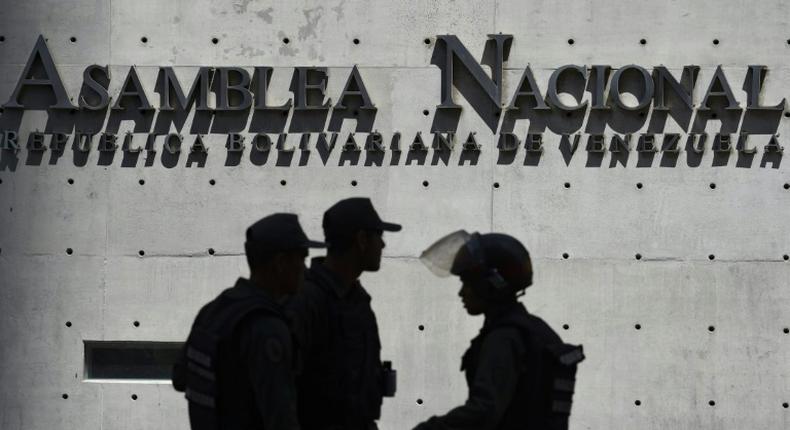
(439, 257)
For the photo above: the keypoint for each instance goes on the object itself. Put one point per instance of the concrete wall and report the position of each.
(674, 365)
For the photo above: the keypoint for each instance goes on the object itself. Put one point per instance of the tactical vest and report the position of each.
(544, 392)
(210, 354)
(338, 388)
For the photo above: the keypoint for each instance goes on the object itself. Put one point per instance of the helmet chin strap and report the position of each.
(491, 275)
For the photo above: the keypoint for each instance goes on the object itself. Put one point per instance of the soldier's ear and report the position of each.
(362, 240)
(280, 261)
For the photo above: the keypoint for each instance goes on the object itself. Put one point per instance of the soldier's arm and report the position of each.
(492, 389)
(266, 350)
(179, 376)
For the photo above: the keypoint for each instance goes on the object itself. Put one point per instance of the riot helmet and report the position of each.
(496, 265)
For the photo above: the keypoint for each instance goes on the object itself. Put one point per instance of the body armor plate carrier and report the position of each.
(208, 344)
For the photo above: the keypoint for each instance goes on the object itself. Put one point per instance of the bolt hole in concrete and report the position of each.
(419, 401)
(711, 257)
(70, 181)
(136, 323)
(134, 396)
(286, 40)
(711, 329)
(425, 184)
(567, 185)
(565, 255)
(141, 253)
(211, 251)
(638, 402)
(65, 396)
(565, 326)
(214, 40)
(642, 41)
(712, 403)
(282, 182)
(571, 41)
(425, 112)
(786, 257)
(73, 39)
(638, 256)
(787, 114)
(2, 39)
(639, 185)
(715, 41)
(212, 182)
(144, 39)
(420, 327)
(496, 184)
(638, 326)
(68, 323)
(786, 330)
(786, 405)
(353, 183)
(712, 186)
(356, 41)
(69, 251)
(787, 186)
(427, 41)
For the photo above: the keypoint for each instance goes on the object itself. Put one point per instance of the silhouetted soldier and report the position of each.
(239, 360)
(343, 380)
(519, 372)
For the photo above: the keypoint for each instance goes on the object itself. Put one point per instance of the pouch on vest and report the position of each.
(202, 351)
(563, 359)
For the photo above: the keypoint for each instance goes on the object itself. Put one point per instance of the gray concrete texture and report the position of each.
(673, 365)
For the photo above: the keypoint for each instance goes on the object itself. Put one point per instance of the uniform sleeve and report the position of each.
(492, 389)
(179, 376)
(267, 352)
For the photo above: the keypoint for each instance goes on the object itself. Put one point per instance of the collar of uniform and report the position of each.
(245, 288)
(499, 312)
(318, 269)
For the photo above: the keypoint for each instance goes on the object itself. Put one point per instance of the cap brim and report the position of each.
(388, 226)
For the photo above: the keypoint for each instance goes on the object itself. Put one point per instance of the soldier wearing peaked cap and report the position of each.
(238, 365)
(343, 380)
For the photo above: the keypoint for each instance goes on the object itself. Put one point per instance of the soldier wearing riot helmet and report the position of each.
(343, 379)
(519, 372)
(238, 365)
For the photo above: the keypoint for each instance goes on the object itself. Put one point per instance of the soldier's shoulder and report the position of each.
(312, 291)
(266, 337)
(542, 330)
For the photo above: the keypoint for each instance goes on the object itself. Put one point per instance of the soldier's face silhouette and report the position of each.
(474, 304)
(371, 243)
(291, 268)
